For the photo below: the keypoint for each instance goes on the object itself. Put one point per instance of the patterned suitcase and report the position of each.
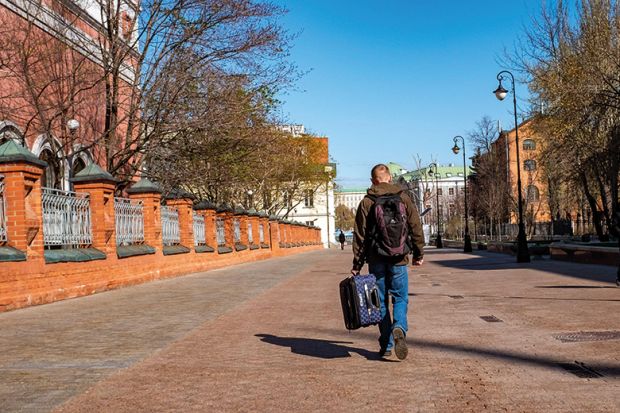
(359, 297)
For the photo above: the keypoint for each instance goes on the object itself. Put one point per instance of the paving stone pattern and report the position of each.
(269, 337)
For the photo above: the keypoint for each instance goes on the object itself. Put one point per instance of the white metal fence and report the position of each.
(250, 235)
(129, 217)
(3, 237)
(220, 232)
(237, 230)
(170, 232)
(66, 218)
(199, 230)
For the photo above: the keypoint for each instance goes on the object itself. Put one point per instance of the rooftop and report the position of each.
(444, 172)
(351, 190)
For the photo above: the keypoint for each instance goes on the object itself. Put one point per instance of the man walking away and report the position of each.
(387, 228)
(341, 239)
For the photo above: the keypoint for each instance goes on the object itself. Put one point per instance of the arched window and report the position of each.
(51, 173)
(529, 165)
(533, 195)
(78, 165)
(10, 132)
(529, 145)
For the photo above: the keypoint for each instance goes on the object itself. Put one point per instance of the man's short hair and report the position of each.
(380, 171)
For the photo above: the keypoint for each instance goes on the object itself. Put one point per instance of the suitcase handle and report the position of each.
(372, 298)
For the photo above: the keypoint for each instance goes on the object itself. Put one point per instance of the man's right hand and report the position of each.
(418, 262)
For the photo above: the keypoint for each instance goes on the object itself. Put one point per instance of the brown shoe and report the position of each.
(400, 345)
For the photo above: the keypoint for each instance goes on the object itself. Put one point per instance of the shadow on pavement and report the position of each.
(515, 297)
(575, 286)
(607, 369)
(325, 349)
(486, 261)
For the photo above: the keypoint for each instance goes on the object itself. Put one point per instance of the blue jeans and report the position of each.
(391, 280)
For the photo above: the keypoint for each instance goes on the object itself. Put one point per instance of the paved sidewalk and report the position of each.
(269, 336)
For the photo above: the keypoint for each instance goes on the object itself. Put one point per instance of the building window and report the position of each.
(529, 165)
(529, 145)
(310, 223)
(450, 191)
(78, 166)
(51, 173)
(288, 202)
(309, 198)
(439, 192)
(9, 133)
(451, 210)
(533, 195)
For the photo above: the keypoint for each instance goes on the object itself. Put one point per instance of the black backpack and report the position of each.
(389, 229)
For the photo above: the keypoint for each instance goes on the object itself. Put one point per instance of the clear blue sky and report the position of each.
(391, 79)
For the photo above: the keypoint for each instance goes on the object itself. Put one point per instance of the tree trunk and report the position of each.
(596, 216)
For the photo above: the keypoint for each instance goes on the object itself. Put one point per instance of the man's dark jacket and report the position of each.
(360, 247)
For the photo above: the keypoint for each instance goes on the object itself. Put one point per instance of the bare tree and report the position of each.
(572, 57)
(490, 189)
(135, 78)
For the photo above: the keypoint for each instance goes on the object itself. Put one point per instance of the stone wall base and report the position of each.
(24, 284)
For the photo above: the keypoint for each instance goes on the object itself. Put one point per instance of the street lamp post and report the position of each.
(328, 170)
(456, 149)
(432, 169)
(73, 125)
(250, 194)
(523, 254)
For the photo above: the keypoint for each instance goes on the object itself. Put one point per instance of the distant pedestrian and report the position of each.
(388, 264)
(341, 239)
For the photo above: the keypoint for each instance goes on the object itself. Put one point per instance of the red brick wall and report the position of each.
(33, 281)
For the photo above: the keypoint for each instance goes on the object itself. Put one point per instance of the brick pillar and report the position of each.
(293, 232)
(255, 221)
(284, 234)
(183, 202)
(208, 211)
(150, 196)
(274, 233)
(22, 192)
(226, 213)
(264, 221)
(242, 216)
(100, 185)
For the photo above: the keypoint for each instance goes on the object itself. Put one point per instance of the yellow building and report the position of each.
(533, 182)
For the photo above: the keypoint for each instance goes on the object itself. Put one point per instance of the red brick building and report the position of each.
(52, 75)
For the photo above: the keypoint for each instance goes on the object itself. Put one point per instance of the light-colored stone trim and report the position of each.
(52, 23)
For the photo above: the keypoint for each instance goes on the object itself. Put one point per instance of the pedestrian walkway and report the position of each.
(269, 336)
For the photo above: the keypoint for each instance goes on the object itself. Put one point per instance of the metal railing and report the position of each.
(220, 232)
(237, 230)
(200, 237)
(66, 218)
(170, 232)
(129, 219)
(261, 233)
(250, 235)
(3, 236)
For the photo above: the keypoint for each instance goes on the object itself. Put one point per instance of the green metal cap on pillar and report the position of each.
(144, 186)
(93, 173)
(12, 152)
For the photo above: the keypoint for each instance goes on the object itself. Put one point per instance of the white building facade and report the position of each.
(317, 208)
(350, 197)
(440, 194)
